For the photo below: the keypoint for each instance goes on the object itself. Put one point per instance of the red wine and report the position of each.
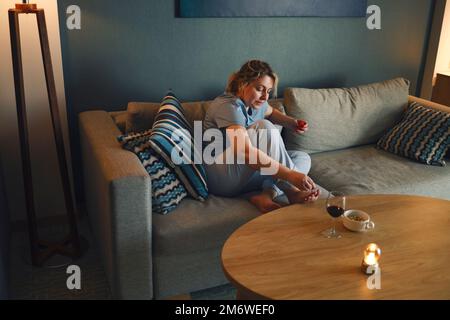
(335, 211)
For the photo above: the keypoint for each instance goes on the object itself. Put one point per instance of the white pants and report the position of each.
(230, 180)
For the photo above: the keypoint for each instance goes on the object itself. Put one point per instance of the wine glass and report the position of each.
(335, 208)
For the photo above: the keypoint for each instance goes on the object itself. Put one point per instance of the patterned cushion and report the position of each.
(167, 190)
(171, 138)
(423, 135)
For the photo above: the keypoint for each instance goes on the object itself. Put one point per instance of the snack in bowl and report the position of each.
(355, 217)
(357, 220)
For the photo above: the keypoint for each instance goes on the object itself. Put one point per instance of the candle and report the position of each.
(371, 256)
(370, 259)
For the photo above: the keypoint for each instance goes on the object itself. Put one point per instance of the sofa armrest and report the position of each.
(118, 202)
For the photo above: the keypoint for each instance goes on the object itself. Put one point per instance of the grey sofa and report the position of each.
(149, 256)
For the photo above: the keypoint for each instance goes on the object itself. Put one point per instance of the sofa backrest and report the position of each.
(140, 115)
(340, 118)
(429, 104)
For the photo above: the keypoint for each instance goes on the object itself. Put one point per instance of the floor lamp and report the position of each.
(70, 246)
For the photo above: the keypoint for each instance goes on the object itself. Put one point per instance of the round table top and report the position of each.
(282, 254)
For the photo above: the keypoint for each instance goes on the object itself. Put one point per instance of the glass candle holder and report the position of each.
(372, 254)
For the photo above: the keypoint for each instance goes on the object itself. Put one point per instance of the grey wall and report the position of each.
(136, 50)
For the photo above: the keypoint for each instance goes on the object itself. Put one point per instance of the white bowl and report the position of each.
(357, 220)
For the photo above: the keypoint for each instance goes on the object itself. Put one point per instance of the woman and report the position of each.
(244, 116)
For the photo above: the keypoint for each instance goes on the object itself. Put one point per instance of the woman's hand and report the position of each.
(301, 126)
(301, 181)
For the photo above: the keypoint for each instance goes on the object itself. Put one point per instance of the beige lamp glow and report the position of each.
(41, 250)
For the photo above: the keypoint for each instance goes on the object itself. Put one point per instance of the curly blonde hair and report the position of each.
(249, 72)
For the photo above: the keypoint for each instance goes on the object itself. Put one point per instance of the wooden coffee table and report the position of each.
(282, 255)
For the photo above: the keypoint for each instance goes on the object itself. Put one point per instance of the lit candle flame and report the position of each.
(372, 254)
(370, 259)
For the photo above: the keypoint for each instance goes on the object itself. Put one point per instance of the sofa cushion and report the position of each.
(171, 137)
(366, 170)
(344, 117)
(432, 105)
(167, 189)
(120, 119)
(140, 115)
(199, 226)
(422, 135)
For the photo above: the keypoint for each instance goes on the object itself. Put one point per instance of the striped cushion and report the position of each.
(171, 138)
(423, 135)
(167, 190)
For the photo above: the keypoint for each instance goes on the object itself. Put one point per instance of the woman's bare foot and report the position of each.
(264, 202)
(298, 196)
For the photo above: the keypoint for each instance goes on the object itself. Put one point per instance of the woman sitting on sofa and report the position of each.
(263, 163)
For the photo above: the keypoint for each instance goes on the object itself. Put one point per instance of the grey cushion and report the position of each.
(199, 226)
(367, 170)
(344, 117)
(120, 119)
(140, 115)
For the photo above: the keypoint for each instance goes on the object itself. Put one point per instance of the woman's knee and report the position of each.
(266, 131)
(265, 124)
(264, 134)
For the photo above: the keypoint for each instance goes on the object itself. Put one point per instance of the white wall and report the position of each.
(443, 56)
(49, 199)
